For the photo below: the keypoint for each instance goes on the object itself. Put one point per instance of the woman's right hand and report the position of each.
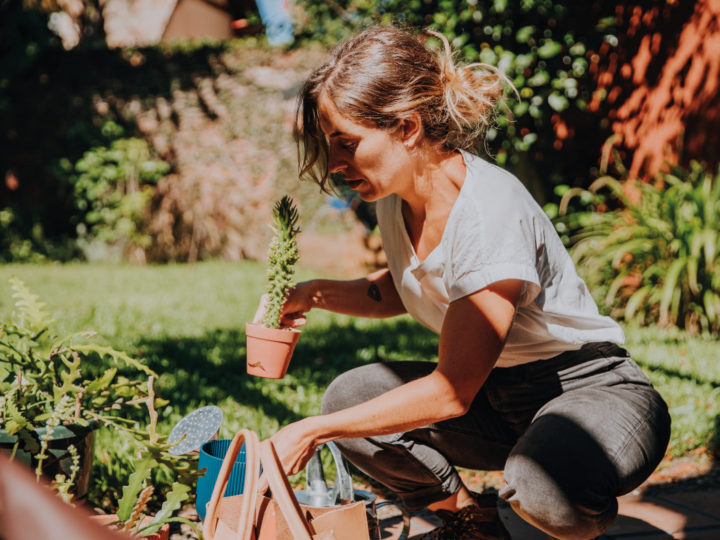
(297, 304)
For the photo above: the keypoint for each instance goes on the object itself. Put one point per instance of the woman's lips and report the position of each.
(352, 184)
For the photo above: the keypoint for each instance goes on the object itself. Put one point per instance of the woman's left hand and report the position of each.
(295, 445)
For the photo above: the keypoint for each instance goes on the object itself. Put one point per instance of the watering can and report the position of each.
(318, 494)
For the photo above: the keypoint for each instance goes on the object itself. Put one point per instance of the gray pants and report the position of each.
(571, 433)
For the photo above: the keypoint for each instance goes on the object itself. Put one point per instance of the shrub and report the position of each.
(654, 260)
(204, 108)
(112, 187)
(216, 203)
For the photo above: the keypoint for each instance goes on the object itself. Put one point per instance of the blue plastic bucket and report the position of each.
(211, 457)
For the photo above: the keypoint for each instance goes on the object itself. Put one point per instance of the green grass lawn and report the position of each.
(187, 322)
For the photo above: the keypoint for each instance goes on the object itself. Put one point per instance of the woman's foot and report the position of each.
(479, 521)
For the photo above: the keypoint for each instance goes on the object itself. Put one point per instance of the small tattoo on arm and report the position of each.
(374, 292)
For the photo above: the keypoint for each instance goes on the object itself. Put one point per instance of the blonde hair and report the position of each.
(381, 76)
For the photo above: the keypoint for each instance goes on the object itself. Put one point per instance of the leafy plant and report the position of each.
(113, 186)
(136, 495)
(50, 383)
(282, 256)
(120, 455)
(132, 511)
(657, 259)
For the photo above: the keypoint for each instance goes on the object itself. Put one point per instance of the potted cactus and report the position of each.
(269, 345)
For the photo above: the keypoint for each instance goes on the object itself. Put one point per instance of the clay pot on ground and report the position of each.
(269, 350)
(107, 519)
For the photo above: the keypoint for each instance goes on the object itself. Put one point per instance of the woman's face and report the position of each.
(373, 161)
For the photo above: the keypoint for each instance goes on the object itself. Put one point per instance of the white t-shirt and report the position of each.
(496, 231)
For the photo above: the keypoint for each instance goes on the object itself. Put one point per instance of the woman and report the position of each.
(530, 378)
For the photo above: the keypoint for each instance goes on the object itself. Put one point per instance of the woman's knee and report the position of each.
(351, 388)
(561, 478)
(541, 500)
(336, 396)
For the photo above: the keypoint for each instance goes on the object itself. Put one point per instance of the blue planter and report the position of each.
(211, 457)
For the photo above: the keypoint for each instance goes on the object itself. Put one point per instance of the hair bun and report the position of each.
(470, 94)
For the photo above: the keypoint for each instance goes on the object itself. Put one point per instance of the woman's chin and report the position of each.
(364, 190)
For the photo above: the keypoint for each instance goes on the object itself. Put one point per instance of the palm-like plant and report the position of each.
(657, 259)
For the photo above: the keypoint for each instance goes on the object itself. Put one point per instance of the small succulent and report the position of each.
(282, 256)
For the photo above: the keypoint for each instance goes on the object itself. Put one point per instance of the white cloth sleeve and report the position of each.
(491, 243)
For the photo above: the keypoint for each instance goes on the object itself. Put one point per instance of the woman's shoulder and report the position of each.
(489, 189)
(484, 174)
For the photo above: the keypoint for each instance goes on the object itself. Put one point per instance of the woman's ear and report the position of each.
(411, 130)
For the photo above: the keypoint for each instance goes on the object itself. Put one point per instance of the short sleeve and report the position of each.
(487, 242)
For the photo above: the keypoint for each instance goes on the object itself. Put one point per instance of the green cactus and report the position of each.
(282, 255)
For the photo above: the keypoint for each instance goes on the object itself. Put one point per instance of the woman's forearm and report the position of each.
(371, 296)
(474, 331)
(418, 403)
(473, 334)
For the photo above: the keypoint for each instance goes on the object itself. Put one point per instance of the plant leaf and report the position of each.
(635, 301)
(668, 290)
(177, 496)
(32, 310)
(116, 355)
(15, 421)
(135, 485)
(29, 443)
(102, 383)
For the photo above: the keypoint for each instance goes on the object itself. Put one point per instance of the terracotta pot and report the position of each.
(269, 350)
(107, 519)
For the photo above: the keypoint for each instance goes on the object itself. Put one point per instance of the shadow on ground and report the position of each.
(207, 369)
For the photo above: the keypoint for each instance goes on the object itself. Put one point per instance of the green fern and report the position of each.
(44, 385)
(282, 256)
(33, 316)
(118, 357)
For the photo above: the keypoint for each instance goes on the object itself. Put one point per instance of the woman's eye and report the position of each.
(347, 145)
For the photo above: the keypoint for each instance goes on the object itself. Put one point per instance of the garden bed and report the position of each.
(186, 321)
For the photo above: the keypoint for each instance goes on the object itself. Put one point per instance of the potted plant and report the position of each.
(53, 396)
(269, 345)
(132, 515)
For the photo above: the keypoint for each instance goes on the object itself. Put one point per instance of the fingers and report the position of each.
(294, 320)
(289, 319)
